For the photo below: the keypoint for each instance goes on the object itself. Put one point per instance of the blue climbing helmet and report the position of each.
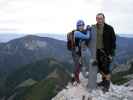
(80, 23)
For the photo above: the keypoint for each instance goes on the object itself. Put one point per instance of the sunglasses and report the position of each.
(81, 25)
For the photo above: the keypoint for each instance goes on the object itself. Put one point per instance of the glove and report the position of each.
(110, 58)
(77, 49)
(93, 62)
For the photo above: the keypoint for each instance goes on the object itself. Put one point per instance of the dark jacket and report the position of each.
(109, 39)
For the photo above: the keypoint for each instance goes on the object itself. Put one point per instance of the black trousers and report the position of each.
(103, 61)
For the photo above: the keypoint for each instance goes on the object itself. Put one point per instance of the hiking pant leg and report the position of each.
(75, 58)
(77, 65)
(103, 65)
(85, 61)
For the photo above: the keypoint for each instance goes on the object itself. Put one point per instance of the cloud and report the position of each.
(46, 15)
(60, 16)
(7, 30)
(119, 14)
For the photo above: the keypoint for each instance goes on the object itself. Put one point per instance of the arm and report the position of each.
(113, 43)
(78, 34)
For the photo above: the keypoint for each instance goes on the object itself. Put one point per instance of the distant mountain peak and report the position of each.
(35, 44)
(29, 37)
(29, 42)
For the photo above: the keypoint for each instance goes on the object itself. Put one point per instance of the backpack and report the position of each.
(70, 40)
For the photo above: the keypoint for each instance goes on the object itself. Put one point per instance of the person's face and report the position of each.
(81, 27)
(100, 19)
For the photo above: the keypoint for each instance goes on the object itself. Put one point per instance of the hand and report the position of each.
(77, 49)
(93, 62)
(110, 57)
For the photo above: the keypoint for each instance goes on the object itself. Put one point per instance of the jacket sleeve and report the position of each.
(113, 42)
(78, 34)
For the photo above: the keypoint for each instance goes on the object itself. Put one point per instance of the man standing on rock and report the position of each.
(105, 49)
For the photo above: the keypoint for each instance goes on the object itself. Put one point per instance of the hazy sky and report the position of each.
(60, 16)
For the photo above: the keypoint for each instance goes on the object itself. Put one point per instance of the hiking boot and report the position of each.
(101, 84)
(106, 86)
(72, 80)
(105, 90)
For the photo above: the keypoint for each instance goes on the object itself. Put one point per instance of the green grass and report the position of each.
(118, 78)
(46, 87)
(42, 91)
(37, 71)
